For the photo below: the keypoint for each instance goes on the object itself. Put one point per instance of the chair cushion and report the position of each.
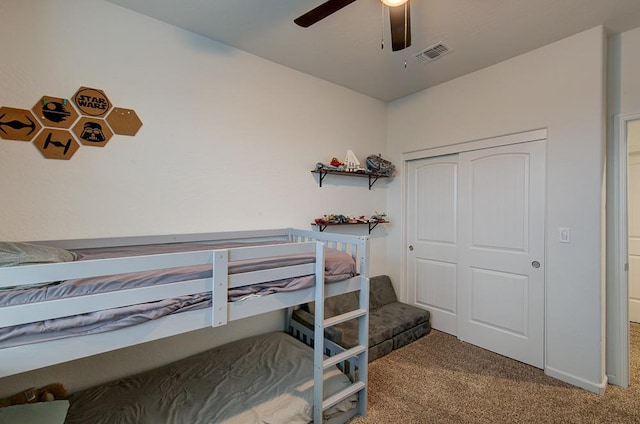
(381, 291)
(378, 333)
(411, 335)
(380, 350)
(398, 317)
(392, 324)
(338, 305)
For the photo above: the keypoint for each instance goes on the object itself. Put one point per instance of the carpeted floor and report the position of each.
(441, 380)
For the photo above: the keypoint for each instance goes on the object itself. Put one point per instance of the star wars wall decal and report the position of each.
(92, 132)
(92, 102)
(124, 121)
(56, 143)
(55, 112)
(18, 124)
(53, 125)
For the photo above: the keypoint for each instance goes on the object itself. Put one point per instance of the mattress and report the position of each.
(338, 266)
(262, 379)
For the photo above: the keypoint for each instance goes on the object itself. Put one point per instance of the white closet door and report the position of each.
(634, 236)
(432, 238)
(501, 250)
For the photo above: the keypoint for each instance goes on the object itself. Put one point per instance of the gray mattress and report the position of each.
(338, 266)
(262, 379)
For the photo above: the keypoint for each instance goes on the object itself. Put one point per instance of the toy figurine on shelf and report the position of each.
(351, 162)
(321, 221)
(379, 217)
(336, 162)
(334, 219)
(333, 165)
(339, 219)
(380, 166)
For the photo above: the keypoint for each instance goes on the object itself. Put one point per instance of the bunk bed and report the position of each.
(239, 274)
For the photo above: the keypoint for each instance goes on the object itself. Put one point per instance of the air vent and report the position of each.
(433, 52)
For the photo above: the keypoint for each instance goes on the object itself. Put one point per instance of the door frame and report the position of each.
(479, 144)
(617, 303)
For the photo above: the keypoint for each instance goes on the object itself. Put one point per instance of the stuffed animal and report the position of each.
(47, 393)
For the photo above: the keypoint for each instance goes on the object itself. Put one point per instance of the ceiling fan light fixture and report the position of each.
(394, 3)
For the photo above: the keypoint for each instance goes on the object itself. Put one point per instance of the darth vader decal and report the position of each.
(92, 132)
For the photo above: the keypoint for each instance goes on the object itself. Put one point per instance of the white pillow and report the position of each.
(13, 254)
(35, 413)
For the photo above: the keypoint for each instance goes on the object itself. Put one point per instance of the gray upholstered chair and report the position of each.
(392, 324)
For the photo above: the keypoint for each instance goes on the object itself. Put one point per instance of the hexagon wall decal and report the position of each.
(92, 102)
(92, 131)
(18, 124)
(56, 144)
(55, 112)
(124, 121)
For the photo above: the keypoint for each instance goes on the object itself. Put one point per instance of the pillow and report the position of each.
(13, 254)
(53, 412)
(338, 265)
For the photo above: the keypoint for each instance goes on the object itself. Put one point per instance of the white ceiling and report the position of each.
(345, 47)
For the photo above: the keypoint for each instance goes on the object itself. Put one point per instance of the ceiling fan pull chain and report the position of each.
(405, 34)
(382, 26)
(405, 28)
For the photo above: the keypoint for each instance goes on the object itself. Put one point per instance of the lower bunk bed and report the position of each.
(243, 274)
(261, 379)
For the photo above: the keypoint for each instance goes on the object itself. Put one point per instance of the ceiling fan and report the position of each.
(400, 19)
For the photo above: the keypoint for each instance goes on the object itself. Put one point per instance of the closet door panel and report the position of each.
(501, 250)
(432, 239)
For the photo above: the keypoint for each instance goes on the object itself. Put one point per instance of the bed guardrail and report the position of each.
(218, 285)
(358, 249)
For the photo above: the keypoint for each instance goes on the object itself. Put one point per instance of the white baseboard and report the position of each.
(617, 381)
(598, 388)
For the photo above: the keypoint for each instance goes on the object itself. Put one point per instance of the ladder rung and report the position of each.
(357, 313)
(349, 353)
(342, 394)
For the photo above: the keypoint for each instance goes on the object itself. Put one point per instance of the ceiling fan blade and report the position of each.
(400, 36)
(321, 12)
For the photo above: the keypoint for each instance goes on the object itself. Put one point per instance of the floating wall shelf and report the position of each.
(371, 224)
(372, 177)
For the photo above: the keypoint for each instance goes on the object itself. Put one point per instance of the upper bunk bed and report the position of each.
(206, 280)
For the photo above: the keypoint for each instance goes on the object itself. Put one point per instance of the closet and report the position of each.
(475, 239)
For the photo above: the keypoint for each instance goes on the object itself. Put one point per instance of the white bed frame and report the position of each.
(23, 358)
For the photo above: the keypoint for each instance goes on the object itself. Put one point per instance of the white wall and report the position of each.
(633, 137)
(227, 143)
(623, 99)
(559, 87)
(628, 72)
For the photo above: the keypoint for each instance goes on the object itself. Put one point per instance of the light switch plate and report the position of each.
(565, 235)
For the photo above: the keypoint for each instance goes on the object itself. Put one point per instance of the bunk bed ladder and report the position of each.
(360, 351)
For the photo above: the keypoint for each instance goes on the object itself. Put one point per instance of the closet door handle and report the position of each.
(410, 248)
(535, 264)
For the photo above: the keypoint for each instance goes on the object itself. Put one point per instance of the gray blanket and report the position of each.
(338, 266)
(262, 379)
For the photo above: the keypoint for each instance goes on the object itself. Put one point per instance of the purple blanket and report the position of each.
(338, 266)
